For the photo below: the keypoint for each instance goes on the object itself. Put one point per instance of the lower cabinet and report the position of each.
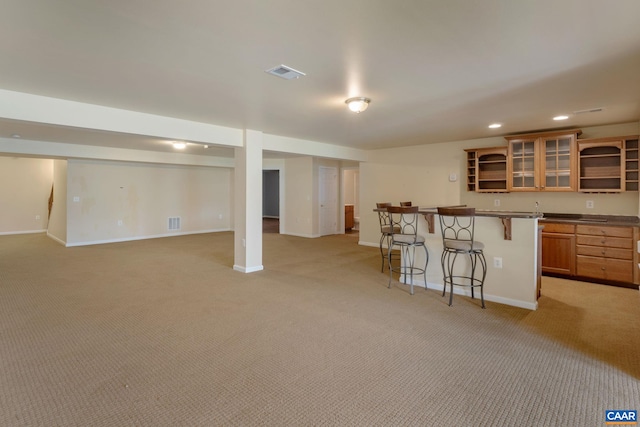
(602, 253)
(605, 252)
(559, 248)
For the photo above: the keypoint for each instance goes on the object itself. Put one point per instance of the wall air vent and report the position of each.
(589, 110)
(285, 72)
(174, 223)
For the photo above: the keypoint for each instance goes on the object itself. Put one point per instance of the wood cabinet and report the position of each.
(600, 164)
(491, 169)
(487, 170)
(605, 253)
(471, 169)
(542, 162)
(556, 161)
(631, 163)
(602, 253)
(559, 248)
(348, 217)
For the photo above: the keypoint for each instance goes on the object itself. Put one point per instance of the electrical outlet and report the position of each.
(76, 198)
(589, 204)
(244, 243)
(219, 216)
(496, 202)
(497, 262)
(119, 222)
(37, 217)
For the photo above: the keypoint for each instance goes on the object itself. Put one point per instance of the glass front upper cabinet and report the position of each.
(542, 162)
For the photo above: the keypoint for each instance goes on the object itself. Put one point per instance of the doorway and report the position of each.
(271, 201)
(328, 190)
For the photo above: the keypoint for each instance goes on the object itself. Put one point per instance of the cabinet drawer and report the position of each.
(554, 227)
(611, 242)
(598, 230)
(605, 268)
(605, 252)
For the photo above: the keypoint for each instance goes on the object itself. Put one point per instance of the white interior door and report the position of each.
(328, 200)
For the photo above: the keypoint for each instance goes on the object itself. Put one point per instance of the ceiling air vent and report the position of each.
(590, 110)
(285, 72)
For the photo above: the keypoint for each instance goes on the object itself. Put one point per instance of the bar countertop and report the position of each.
(490, 213)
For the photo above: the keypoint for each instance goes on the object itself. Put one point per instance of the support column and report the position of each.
(248, 204)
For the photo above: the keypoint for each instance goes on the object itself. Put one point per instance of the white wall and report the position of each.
(25, 186)
(299, 193)
(143, 197)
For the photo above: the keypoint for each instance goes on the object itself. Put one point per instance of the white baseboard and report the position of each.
(52, 237)
(156, 236)
(248, 269)
(457, 290)
(309, 236)
(8, 233)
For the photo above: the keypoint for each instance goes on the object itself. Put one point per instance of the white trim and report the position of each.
(52, 237)
(373, 245)
(7, 233)
(309, 236)
(248, 269)
(457, 290)
(157, 236)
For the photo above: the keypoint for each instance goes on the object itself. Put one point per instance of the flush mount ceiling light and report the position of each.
(561, 117)
(358, 104)
(495, 126)
(179, 145)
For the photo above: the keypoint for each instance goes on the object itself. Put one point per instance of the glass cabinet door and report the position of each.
(557, 170)
(523, 165)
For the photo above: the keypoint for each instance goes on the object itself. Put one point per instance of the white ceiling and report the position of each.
(435, 70)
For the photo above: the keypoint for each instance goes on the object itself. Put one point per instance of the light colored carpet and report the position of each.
(163, 332)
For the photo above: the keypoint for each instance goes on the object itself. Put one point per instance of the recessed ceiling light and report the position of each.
(179, 145)
(205, 146)
(15, 135)
(495, 125)
(561, 117)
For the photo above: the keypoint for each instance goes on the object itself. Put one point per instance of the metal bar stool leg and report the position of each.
(483, 261)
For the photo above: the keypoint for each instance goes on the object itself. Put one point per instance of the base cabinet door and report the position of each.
(558, 253)
(559, 248)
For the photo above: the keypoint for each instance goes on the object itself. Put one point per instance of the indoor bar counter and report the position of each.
(512, 250)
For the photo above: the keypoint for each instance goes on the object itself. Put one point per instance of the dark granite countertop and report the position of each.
(613, 220)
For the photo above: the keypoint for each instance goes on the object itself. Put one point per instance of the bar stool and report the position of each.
(457, 226)
(385, 230)
(404, 234)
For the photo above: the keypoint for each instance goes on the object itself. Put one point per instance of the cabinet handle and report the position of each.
(603, 252)
(603, 241)
(602, 268)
